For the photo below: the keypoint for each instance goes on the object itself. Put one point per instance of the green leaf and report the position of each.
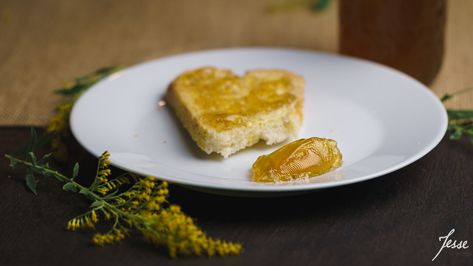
(107, 70)
(86, 193)
(45, 158)
(460, 114)
(32, 158)
(456, 132)
(84, 82)
(69, 187)
(72, 90)
(31, 182)
(96, 204)
(75, 171)
(12, 163)
(446, 97)
(319, 5)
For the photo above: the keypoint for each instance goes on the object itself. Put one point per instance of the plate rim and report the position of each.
(271, 187)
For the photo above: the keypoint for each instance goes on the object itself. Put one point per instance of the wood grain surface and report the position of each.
(45, 43)
(392, 220)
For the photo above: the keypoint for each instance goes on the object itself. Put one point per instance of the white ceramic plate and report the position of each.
(382, 119)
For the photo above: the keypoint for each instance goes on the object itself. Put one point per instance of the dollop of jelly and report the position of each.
(300, 159)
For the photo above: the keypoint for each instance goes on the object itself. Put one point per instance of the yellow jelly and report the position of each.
(226, 100)
(297, 160)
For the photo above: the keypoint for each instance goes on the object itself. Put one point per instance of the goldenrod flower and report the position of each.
(103, 171)
(144, 207)
(93, 216)
(181, 236)
(59, 122)
(88, 220)
(104, 160)
(117, 234)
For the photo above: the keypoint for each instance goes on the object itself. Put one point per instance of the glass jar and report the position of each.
(405, 34)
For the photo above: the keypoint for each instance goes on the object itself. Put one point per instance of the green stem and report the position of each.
(40, 168)
(450, 96)
(114, 225)
(135, 220)
(65, 179)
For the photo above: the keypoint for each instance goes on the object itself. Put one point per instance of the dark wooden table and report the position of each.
(392, 220)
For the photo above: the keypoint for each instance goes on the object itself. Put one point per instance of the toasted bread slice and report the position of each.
(225, 113)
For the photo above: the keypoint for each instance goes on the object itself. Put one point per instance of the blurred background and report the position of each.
(43, 44)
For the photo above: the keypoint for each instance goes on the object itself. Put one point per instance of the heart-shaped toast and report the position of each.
(225, 113)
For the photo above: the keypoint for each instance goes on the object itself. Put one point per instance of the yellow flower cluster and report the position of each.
(145, 204)
(144, 207)
(103, 171)
(144, 191)
(177, 231)
(60, 120)
(116, 235)
(158, 198)
(88, 220)
(114, 184)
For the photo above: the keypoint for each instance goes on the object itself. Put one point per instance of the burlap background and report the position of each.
(46, 43)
